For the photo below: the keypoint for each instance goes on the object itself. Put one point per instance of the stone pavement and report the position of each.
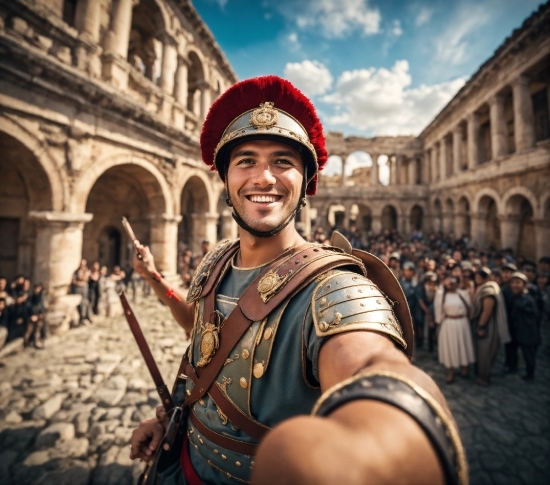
(67, 412)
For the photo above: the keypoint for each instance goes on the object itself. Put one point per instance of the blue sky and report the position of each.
(371, 67)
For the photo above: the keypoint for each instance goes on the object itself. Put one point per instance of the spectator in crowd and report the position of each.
(455, 346)
(408, 283)
(425, 295)
(4, 322)
(205, 247)
(35, 331)
(4, 293)
(17, 286)
(79, 286)
(93, 287)
(394, 264)
(524, 319)
(489, 323)
(118, 276)
(544, 264)
(542, 284)
(19, 315)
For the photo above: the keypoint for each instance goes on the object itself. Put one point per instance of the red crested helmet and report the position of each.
(266, 107)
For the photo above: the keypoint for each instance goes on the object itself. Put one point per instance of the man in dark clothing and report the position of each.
(36, 322)
(3, 322)
(19, 315)
(507, 271)
(408, 283)
(524, 322)
(425, 294)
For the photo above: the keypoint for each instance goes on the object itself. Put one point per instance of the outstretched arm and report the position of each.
(361, 442)
(182, 311)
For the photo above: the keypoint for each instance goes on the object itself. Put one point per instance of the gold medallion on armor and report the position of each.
(270, 284)
(210, 341)
(264, 117)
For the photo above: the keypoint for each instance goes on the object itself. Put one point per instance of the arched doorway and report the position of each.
(438, 216)
(336, 216)
(520, 213)
(24, 186)
(195, 213)
(416, 218)
(448, 216)
(195, 85)
(389, 218)
(489, 223)
(125, 190)
(363, 218)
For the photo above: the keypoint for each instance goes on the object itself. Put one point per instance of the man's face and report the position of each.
(506, 275)
(530, 272)
(264, 181)
(517, 286)
(3, 284)
(408, 274)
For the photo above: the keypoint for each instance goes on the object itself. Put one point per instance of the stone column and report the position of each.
(211, 226)
(87, 22)
(58, 248)
(412, 171)
(434, 163)
(509, 231)
(426, 172)
(376, 223)
(443, 154)
(343, 178)
(169, 64)
(374, 180)
(524, 118)
(115, 67)
(393, 170)
(542, 237)
(457, 149)
(229, 226)
(499, 140)
(164, 242)
(180, 93)
(473, 140)
(206, 99)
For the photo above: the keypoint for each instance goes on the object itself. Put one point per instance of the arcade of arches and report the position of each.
(112, 129)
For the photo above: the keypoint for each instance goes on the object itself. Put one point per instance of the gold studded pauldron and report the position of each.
(347, 301)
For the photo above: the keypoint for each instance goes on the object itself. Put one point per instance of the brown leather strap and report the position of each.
(241, 447)
(215, 273)
(234, 414)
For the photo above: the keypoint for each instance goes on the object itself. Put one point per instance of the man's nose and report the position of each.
(264, 176)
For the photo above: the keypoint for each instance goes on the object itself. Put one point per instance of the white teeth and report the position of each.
(262, 198)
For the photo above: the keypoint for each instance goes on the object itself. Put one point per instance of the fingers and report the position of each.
(162, 416)
(145, 439)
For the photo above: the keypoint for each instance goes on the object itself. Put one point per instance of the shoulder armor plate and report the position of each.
(204, 269)
(346, 301)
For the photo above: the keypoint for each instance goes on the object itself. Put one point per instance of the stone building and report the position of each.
(101, 104)
(481, 167)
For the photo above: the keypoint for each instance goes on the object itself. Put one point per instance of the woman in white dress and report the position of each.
(455, 344)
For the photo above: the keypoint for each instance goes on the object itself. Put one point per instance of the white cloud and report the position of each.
(396, 29)
(221, 3)
(451, 46)
(312, 77)
(381, 102)
(333, 19)
(423, 16)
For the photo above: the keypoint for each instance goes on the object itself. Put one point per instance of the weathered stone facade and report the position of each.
(101, 103)
(482, 167)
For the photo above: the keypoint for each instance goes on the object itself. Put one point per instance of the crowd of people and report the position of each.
(465, 301)
(22, 311)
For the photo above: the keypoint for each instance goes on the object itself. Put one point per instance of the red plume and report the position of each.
(249, 94)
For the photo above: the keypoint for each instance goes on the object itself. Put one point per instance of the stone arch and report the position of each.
(488, 229)
(487, 192)
(363, 217)
(389, 218)
(24, 187)
(198, 220)
(463, 217)
(545, 207)
(149, 22)
(57, 193)
(518, 229)
(448, 215)
(416, 218)
(526, 193)
(196, 81)
(336, 215)
(437, 215)
(132, 191)
(357, 168)
(157, 187)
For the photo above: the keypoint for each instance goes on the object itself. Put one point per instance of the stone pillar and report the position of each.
(343, 178)
(434, 163)
(412, 168)
(206, 99)
(542, 237)
(374, 180)
(164, 242)
(457, 149)
(87, 19)
(443, 154)
(169, 64)
(524, 118)
(181, 82)
(509, 231)
(115, 67)
(426, 172)
(393, 170)
(473, 140)
(499, 140)
(229, 226)
(58, 248)
(211, 226)
(376, 223)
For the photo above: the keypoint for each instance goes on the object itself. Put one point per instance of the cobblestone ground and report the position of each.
(66, 413)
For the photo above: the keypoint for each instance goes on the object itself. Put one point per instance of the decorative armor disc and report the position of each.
(265, 116)
(210, 342)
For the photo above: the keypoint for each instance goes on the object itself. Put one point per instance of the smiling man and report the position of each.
(299, 366)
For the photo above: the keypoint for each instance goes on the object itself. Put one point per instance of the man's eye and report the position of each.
(245, 161)
(283, 161)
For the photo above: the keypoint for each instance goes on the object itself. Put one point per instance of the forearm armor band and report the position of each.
(406, 395)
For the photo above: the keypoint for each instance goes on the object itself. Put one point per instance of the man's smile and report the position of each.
(264, 199)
